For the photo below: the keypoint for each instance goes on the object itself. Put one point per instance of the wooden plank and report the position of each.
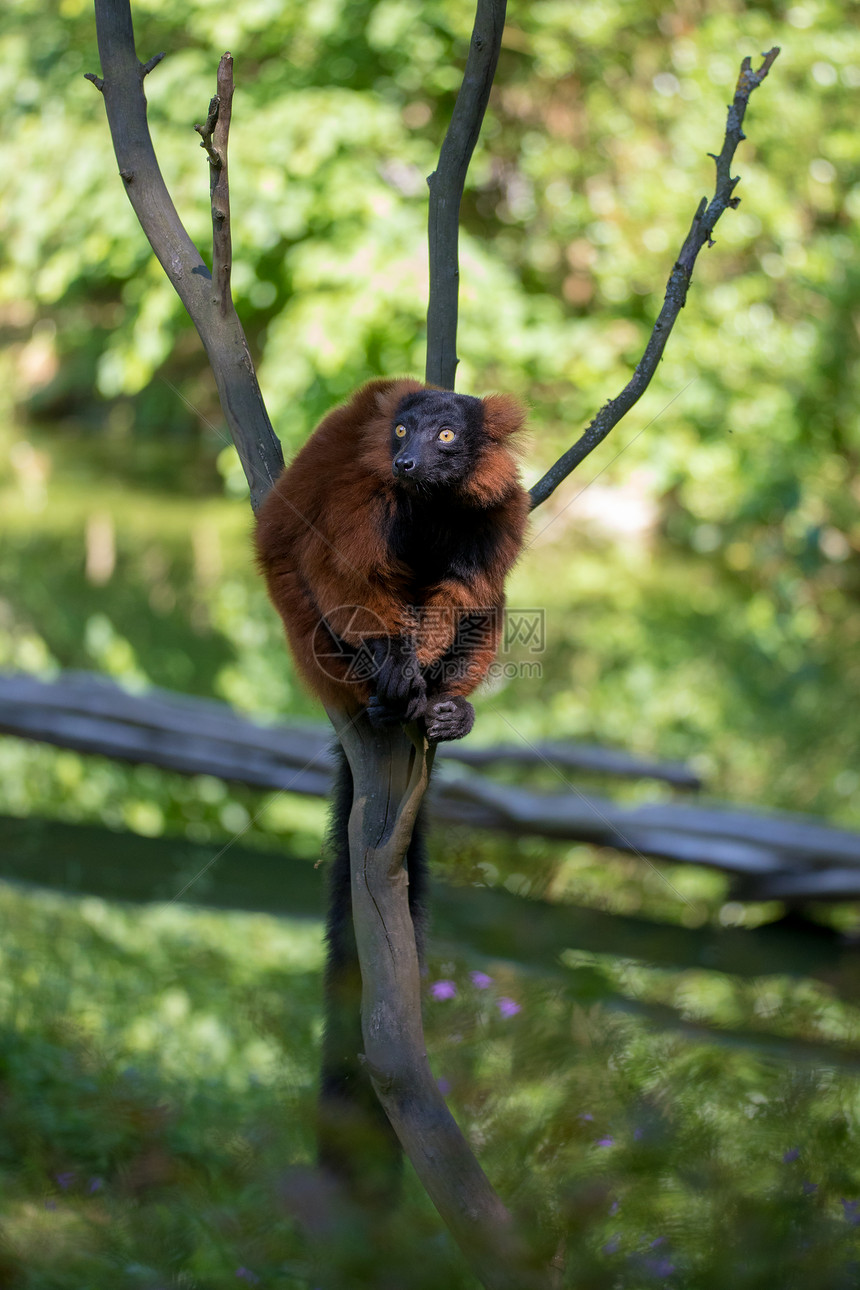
(196, 736)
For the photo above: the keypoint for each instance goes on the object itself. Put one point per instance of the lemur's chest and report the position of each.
(437, 540)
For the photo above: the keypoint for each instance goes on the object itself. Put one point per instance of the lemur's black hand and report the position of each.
(399, 692)
(448, 717)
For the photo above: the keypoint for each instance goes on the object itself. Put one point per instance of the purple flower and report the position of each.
(606, 1142)
(850, 1209)
(95, 1184)
(808, 1187)
(245, 1274)
(614, 1207)
(613, 1245)
(791, 1155)
(637, 1134)
(444, 1086)
(587, 1116)
(480, 980)
(508, 1007)
(443, 989)
(659, 1267)
(66, 1179)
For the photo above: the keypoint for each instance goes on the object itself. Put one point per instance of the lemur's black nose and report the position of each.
(403, 465)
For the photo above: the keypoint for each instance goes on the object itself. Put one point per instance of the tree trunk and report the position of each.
(391, 771)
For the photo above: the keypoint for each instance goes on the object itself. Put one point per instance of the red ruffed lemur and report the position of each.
(385, 546)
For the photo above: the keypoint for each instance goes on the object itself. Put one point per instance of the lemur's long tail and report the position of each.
(355, 1139)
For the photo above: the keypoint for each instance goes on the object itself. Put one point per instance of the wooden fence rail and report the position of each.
(772, 856)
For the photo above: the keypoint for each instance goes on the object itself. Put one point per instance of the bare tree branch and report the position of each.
(446, 191)
(211, 310)
(676, 290)
(390, 776)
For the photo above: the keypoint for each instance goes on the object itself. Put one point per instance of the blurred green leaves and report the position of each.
(591, 164)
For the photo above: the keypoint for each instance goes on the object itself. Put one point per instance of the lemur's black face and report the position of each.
(436, 436)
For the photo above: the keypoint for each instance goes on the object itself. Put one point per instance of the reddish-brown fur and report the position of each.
(322, 546)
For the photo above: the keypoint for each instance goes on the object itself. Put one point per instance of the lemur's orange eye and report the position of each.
(447, 435)
(400, 431)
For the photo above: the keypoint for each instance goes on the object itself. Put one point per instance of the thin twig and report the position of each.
(215, 135)
(147, 67)
(699, 235)
(446, 191)
(206, 131)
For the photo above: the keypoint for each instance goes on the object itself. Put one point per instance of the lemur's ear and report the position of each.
(390, 392)
(382, 396)
(503, 416)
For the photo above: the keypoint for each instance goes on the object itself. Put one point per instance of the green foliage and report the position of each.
(589, 168)
(158, 1068)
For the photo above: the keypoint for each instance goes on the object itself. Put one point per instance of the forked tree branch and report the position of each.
(208, 303)
(700, 233)
(446, 191)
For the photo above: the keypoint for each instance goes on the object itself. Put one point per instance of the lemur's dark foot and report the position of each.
(448, 717)
(400, 692)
